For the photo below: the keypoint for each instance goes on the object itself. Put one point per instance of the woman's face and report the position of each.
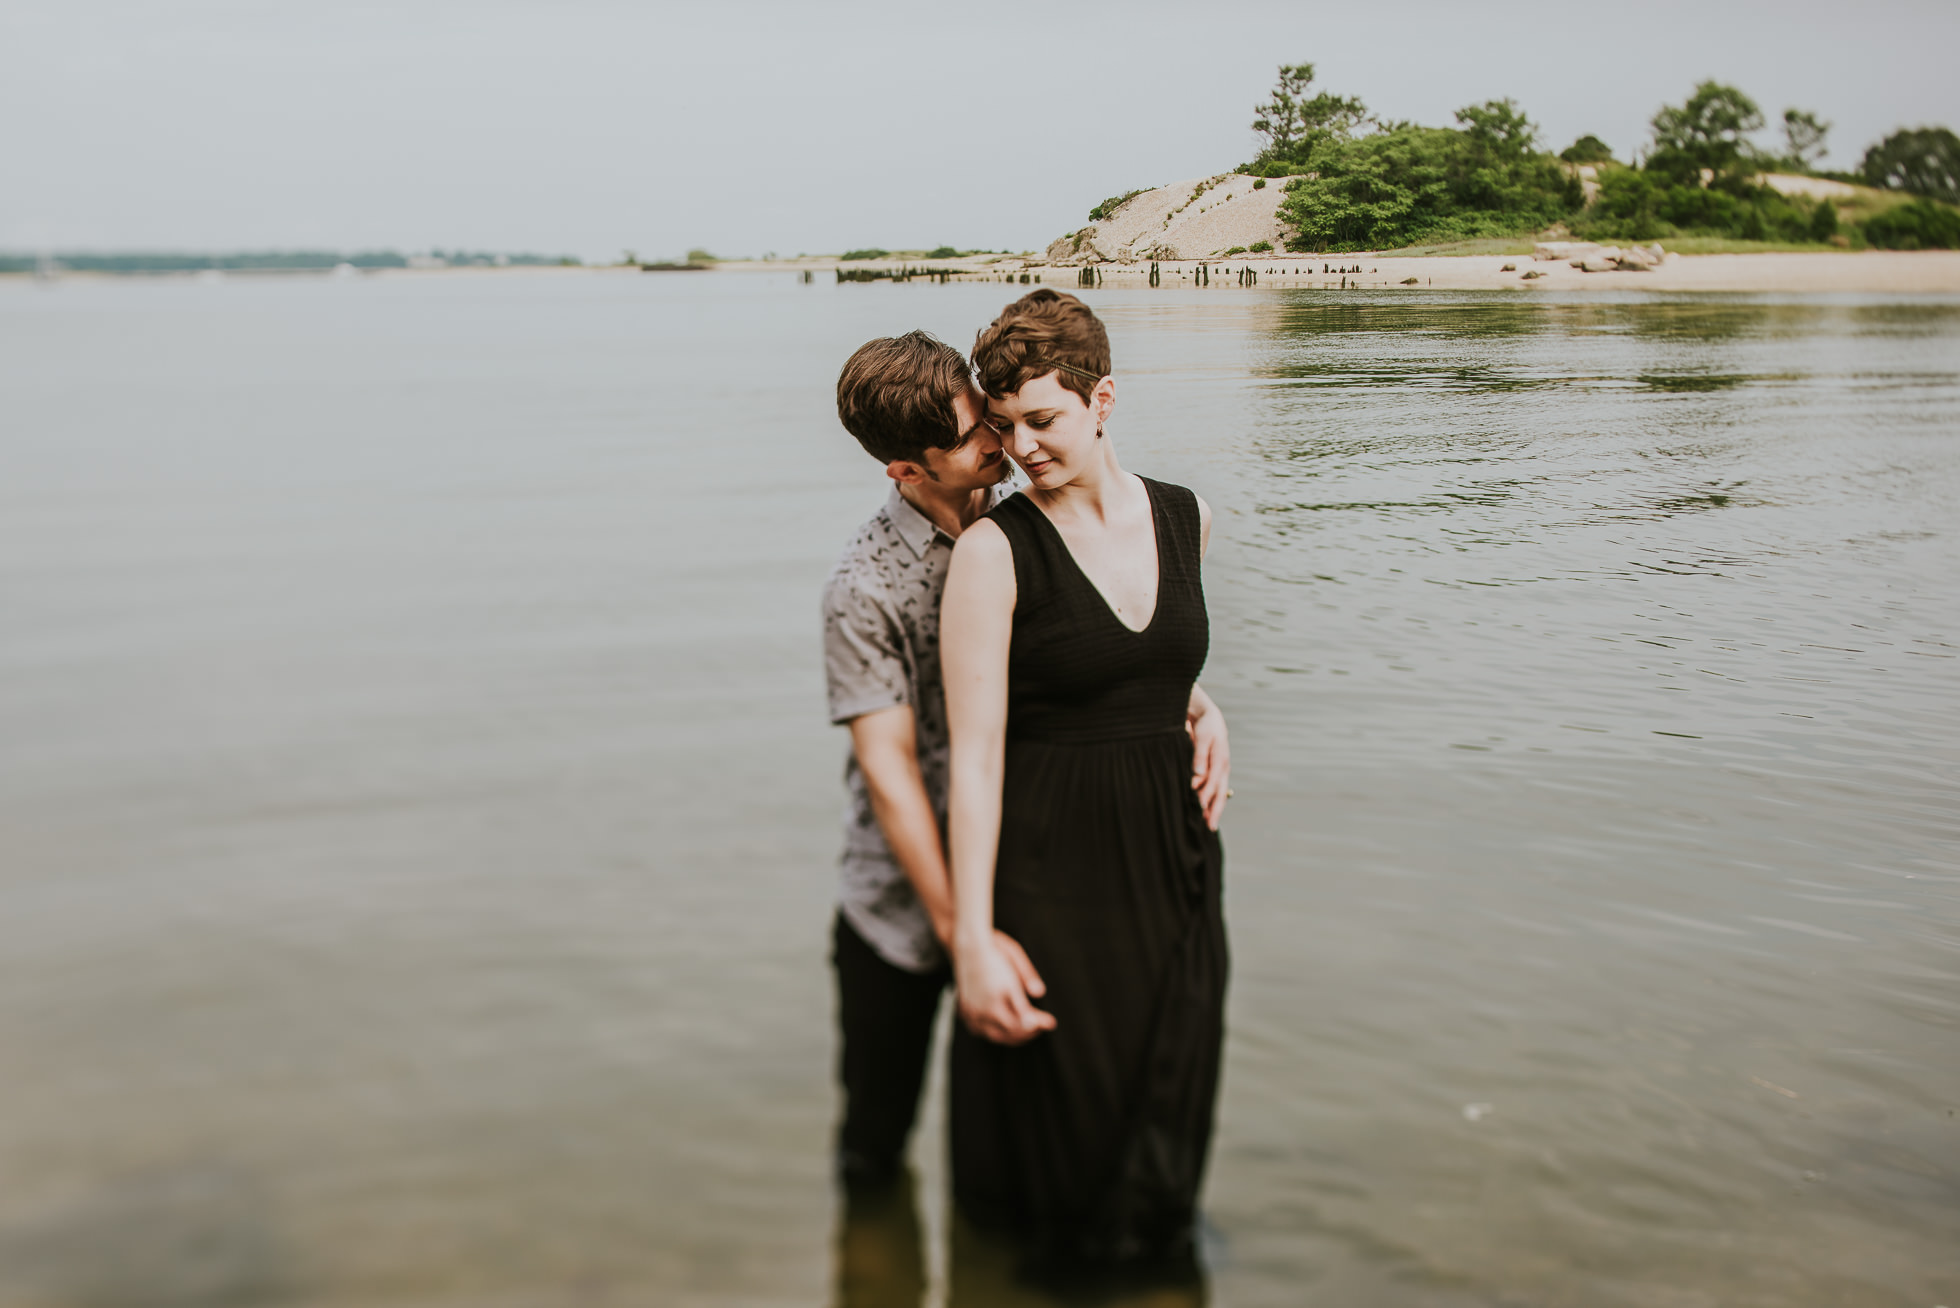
(1049, 430)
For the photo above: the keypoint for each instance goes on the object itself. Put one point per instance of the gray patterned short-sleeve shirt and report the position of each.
(881, 649)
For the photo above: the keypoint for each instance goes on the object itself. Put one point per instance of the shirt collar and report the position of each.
(916, 529)
(912, 526)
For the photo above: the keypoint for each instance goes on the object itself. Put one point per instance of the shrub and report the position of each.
(1237, 249)
(1262, 247)
(1823, 221)
(1916, 225)
(943, 252)
(850, 255)
(1259, 184)
(1643, 205)
(1588, 149)
(1109, 207)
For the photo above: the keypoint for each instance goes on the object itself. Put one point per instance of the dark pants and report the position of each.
(885, 1016)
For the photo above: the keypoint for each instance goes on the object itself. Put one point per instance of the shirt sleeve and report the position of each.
(864, 660)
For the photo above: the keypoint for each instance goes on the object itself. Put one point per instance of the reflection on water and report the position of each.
(417, 817)
(881, 1263)
(881, 1253)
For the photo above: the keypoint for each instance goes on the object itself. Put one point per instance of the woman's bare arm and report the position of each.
(976, 625)
(1211, 755)
(1211, 763)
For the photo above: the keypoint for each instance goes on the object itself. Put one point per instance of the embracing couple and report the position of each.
(1035, 781)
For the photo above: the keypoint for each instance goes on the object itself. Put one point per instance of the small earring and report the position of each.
(1098, 431)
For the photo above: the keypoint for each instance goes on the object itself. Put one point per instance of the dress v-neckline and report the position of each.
(1157, 542)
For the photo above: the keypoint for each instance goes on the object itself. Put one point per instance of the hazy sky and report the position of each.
(586, 127)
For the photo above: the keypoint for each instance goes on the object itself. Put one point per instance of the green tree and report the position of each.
(1923, 160)
(1708, 131)
(1804, 133)
(1499, 128)
(1295, 124)
(1408, 184)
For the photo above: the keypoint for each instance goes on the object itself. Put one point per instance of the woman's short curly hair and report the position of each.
(1042, 332)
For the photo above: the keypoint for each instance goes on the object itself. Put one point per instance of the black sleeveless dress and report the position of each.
(1092, 1138)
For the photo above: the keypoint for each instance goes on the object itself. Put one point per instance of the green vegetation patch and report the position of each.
(1409, 184)
(1917, 225)
(851, 256)
(1588, 149)
(1108, 208)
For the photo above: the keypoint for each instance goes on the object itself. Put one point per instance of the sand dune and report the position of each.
(1196, 219)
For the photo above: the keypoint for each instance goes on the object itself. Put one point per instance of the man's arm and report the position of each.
(886, 744)
(887, 748)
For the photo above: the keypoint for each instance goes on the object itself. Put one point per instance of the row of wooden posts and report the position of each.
(906, 274)
(1087, 276)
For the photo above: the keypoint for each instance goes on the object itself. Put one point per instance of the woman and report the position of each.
(1072, 631)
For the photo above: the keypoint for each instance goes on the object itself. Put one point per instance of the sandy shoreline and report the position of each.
(1883, 272)
(1869, 271)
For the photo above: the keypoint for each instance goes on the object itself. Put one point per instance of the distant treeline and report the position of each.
(269, 261)
(1358, 183)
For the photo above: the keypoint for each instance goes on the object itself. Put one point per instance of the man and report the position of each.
(911, 403)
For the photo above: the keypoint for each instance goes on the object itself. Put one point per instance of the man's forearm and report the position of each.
(911, 829)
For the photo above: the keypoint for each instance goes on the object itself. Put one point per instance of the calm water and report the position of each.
(417, 813)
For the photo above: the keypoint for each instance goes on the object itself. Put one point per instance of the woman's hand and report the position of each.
(994, 980)
(1211, 757)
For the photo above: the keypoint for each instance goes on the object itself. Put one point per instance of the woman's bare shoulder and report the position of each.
(982, 570)
(984, 542)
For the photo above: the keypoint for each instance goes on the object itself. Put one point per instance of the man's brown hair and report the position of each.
(896, 396)
(1042, 332)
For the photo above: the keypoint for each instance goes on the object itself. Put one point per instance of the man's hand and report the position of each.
(993, 985)
(1211, 758)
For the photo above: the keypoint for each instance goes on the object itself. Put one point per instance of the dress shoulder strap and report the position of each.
(1034, 548)
(1182, 527)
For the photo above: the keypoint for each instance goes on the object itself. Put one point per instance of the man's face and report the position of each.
(977, 460)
